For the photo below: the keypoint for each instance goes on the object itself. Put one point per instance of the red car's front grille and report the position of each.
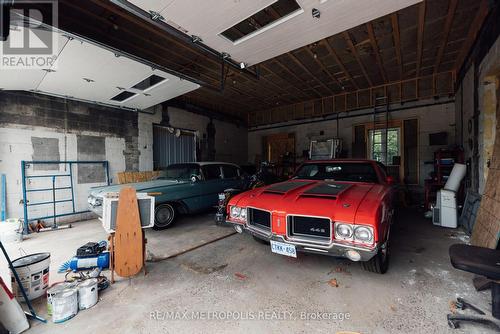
(313, 228)
(259, 218)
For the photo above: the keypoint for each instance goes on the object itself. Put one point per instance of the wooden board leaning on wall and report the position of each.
(132, 177)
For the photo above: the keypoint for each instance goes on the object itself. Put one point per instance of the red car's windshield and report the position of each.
(338, 171)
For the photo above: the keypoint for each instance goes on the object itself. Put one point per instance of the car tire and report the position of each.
(379, 263)
(165, 215)
(259, 240)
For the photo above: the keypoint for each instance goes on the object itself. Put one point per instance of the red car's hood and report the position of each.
(350, 202)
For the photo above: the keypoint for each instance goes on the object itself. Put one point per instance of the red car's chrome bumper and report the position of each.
(332, 249)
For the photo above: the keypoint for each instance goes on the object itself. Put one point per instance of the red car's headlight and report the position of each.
(238, 213)
(363, 234)
(356, 233)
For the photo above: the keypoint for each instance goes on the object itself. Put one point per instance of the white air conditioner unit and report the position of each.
(445, 212)
(110, 209)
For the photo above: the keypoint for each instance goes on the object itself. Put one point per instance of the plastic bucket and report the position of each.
(64, 305)
(87, 294)
(33, 271)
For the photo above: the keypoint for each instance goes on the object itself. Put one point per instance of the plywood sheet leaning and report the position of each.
(128, 243)
(131, 177)
(486, 232)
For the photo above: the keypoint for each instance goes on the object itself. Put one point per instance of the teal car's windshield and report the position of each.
(179, 172)
(338, 171)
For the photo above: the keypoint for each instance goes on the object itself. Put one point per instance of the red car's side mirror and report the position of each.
(389, 180)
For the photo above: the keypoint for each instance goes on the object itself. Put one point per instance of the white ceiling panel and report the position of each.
(208, 18)
(89, 72)
(79, 61)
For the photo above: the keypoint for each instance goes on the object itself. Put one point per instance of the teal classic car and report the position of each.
(180, 189)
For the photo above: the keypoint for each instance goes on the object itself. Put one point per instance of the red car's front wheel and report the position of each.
(380, 262)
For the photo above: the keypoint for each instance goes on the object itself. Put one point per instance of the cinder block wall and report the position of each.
(37, 127)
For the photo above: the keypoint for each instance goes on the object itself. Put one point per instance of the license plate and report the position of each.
(283, 249)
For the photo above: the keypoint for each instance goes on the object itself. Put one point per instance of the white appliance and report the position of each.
(325, 149)
(445, 212)
(110, 209)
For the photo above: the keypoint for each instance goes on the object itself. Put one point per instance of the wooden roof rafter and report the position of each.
(306, 70)
(354, 52)
(376, 51)
(446, 32)
(397, 42)
(420, 35)
(323, 67)
(339, 62)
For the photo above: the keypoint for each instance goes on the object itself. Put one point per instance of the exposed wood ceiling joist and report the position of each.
(397, 42)
(355, 53)
(473, 30)
(306, 70)
(420, 35)
(400, 45)
(446, 32)
(339, 62)
(376, 51)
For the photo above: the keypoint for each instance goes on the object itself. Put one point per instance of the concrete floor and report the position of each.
(238, 277)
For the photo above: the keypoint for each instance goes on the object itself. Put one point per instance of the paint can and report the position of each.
(33, 271)
(54, 290)
(64, 305)
(87, 294)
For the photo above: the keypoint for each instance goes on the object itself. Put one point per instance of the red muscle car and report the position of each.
(342, 208)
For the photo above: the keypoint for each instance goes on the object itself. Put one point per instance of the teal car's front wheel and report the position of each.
(165, 215)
